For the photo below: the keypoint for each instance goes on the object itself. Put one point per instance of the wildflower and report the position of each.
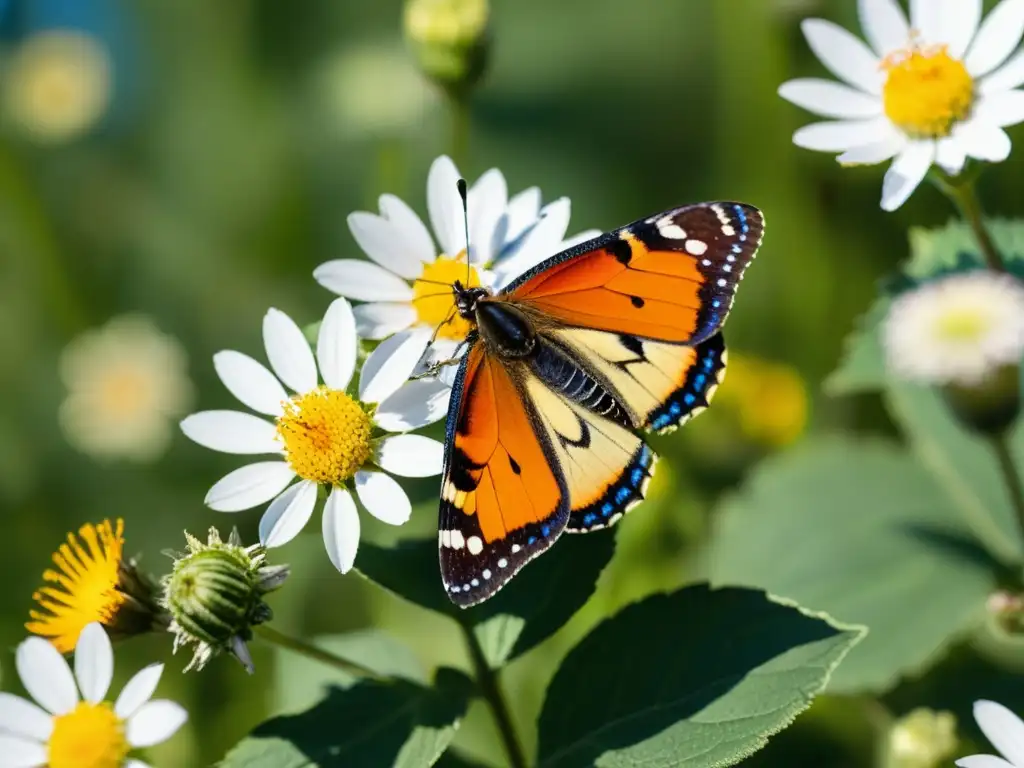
(449, 39)
(922, 739)
(327, 437)
(125, 382)
(936, 90)
(215, 595)
(1006, 732)
(408, 285)
(58, 85)
(93, 582)
(769, 399)
(66, 730)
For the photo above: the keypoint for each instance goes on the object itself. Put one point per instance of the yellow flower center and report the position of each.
(89, 736)
(927, 91)
(961, 326)
(326, 435)
(434, 301)
(86, 585)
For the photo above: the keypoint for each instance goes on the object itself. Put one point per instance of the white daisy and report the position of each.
(407, 285)
(326, 436)
(938, 89)
(65, 730)
(956, 330)
(1006, 732)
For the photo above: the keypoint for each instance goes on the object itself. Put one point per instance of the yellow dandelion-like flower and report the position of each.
(93, 583)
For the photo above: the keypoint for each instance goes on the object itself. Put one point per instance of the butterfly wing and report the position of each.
(503, 497)
(670, 278)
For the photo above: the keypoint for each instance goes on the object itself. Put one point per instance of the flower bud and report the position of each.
(214, 594)
(922, 739)
(450, 40)
(989, 407)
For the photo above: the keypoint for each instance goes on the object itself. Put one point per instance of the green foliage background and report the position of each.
(220, 181)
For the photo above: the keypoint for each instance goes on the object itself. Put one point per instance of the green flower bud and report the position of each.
(214, 595)
(922, 739)
(449, 39)
(990, 407)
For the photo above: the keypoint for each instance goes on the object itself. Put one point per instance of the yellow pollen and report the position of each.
(927, 91)
(961, 326)
(84, 588)
(433, 299)
(89, 736)
(326, 435)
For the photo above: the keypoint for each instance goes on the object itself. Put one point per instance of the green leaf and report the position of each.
(863, 531)
(370, 724)
(531, 608)
(954, 246)
(699, 677)
(863, 365)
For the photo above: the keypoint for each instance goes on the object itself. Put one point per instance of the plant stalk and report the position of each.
(314, 652)
(488, 685)
(965, 196)
(459, 107)
(1014, 486)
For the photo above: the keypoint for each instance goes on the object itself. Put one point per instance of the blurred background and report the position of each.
(169, 170)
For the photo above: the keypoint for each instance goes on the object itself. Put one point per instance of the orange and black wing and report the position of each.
(671, 277)
(503, 497)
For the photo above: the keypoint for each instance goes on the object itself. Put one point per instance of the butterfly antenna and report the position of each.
(465, 223)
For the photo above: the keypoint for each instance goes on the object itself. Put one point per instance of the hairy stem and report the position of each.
(1008, 469)
(965, 196)
(314, 652)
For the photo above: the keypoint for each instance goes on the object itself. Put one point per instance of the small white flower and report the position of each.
(58, 85)
(956, 330)
(938, 89)
(326, 436)
(65, 730)
(125, 381)
(407, 285)
(1006, 732)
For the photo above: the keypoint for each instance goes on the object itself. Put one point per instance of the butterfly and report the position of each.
(565, 369)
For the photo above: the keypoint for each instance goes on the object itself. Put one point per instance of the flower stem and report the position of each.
(965, 196)
(487, 682)
(459, 106)
(314, 652)
(1008, 469)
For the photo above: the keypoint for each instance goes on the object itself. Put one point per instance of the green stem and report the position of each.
(314, 652)
(1008, 469)
(487, 682)
(459, 105)
(964, 195)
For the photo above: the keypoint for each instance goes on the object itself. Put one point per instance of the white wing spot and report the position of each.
(475, 582)
(487, 573)
(503, 563)
(515, 548)
(458, 541)
(671, 231)
(706, 262)
(728, 230)
(475, 545)
(722, 282)
(696, 247)
(727, 268)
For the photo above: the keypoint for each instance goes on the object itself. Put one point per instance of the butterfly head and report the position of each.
(466, 299)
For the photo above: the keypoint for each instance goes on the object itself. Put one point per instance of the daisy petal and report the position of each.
(579, 237)
(138, 691)
(383, 497)
(540, 242)
(445, 206)
(16, 752)
(823, 97)
(926, 19)
(390, 365)
(383, 242)
(410, 456)
(154, 722)
(884, 24)
(416, 404)
(486, 204)
(231, 432)
(1001, 109)
(19, 717)
(983, 761)
(871, 154)
(906, 173)
(1002, 728)
(288, 514)
(844, 55)
(523, 210)
(960, 20)
(249, 486)
(1010, 75)
(382, 319)
(133, 763)
(999, 36)
(950, 156)
(362, 281)
(336, 345)
(94, 662)
(288, 351)
(46, 676)
(842, 135)
(341, 529)
(414, 232)
(983, 141)
(250, 382)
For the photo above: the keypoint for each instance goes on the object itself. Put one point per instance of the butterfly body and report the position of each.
(565, 369)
